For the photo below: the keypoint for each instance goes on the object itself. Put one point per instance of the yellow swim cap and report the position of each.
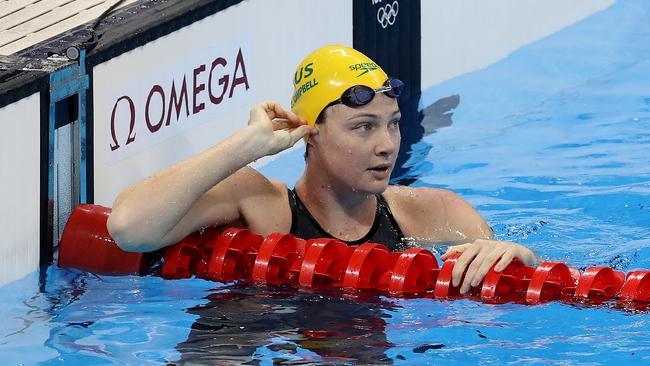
(326, 73)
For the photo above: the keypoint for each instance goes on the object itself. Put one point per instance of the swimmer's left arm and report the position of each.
(482, 250)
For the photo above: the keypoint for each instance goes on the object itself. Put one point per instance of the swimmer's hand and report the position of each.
(277, 128)
(479, 256)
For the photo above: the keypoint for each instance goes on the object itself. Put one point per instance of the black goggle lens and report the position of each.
(360, 95)
(357, 95)
(396, 88)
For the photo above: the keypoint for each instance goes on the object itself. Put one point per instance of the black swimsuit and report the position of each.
(384, 230)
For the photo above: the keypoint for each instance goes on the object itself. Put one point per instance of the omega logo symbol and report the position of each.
(387, 15)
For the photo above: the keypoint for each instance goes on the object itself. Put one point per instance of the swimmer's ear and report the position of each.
(308, 137)
(312, 139)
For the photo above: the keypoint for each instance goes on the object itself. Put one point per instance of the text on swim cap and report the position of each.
(302, 89)
(365, 66)
(298, 76)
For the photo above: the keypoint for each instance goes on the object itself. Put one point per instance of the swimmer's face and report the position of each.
(358, 146)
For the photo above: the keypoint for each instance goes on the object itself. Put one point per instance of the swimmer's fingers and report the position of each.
(258, 114)
(485, 251)
(459, 267)
(275, 110)
(507, 257)
(472, 270)
(455, 249)
(300, 132)
(479, 256)
(462, 262)
(284, 139)
(516, 250)
(296, 132)
(482, 265)
(284, 124)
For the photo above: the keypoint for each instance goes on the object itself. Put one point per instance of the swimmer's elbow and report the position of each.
(125, 234)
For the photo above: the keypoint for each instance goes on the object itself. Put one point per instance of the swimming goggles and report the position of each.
(360, 95)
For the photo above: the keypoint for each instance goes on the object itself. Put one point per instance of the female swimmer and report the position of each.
(345, 107)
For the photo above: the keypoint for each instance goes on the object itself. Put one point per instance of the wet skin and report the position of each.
(357, 147)
(351, 156)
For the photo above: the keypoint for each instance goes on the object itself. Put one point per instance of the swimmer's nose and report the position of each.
(387, 143)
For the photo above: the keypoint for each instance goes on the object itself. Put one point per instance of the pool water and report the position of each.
(551, 144)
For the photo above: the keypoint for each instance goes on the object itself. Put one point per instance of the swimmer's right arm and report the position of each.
(206, 189)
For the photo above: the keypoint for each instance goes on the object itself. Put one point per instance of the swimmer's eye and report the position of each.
(363, 127)
(394, 123)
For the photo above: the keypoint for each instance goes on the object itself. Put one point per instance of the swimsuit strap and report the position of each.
(389, 214)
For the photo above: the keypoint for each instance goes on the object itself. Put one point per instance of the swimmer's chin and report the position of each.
(371, 190)
(379, 190)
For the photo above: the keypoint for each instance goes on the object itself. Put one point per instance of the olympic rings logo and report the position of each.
(387, 15)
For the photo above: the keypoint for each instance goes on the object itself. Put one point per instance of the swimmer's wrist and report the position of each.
(255, 142)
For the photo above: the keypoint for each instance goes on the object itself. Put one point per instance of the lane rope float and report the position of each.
(281, 259)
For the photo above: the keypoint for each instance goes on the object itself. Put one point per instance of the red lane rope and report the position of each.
(239, 254)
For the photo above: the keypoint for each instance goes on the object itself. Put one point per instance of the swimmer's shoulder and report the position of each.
(427, 208)
(417, 201)
(249, 186)
(275, 213)
(262, 204)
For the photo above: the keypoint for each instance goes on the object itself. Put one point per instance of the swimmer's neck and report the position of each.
(326, 198)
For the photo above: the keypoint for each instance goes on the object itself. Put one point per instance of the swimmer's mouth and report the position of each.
(381, 168)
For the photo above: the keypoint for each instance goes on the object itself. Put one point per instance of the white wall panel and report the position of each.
(273, 36)
(462, 36)
(19, 193)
